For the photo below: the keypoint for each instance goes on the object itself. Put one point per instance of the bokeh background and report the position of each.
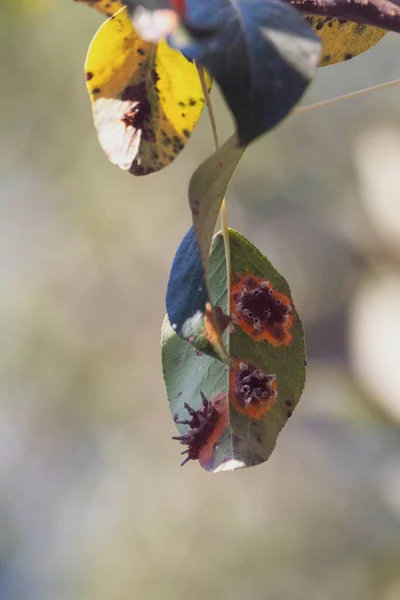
(93, 503)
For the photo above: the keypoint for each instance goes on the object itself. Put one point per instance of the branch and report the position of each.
(379, 13)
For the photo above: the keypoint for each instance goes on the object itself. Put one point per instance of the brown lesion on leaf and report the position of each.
(319, 25)
(138, 169)
(359, 28)
(261, 311)
(138, 115)
(205, 428)
(252, 391)
(154, 76)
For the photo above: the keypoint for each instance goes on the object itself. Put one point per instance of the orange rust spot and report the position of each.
(215, 320)
(207, 452)
(252, 392)
(261, 311)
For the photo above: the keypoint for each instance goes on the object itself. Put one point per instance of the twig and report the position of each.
(348, 96)
(379, 13)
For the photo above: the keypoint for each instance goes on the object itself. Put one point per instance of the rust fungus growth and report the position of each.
(215, 323)
(261, 311)
(253, 392)
(206, 426)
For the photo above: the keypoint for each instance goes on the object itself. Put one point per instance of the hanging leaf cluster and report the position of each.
(233, 349)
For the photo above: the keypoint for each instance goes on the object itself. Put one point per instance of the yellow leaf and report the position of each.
(106, 7)
(343, 39)
(146, 98)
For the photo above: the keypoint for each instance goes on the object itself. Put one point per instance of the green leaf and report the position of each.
(207, 189)
(250, 400)
(262, 54)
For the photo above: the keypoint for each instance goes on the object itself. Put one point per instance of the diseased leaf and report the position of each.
(343, 40)
(384, 14)
(188, 373)
(146, 98)
(230, 416)
(262, 54)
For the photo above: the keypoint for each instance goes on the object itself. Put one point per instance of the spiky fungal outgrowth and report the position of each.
(201, 425)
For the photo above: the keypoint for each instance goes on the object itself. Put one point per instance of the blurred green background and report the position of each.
(93, 503)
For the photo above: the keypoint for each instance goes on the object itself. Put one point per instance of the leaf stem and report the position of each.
(223, 214)
(210, 110)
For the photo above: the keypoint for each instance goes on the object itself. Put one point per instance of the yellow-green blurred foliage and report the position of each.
(93, 503)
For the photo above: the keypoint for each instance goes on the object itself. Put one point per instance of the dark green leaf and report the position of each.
(188, 305)
(262, 53)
